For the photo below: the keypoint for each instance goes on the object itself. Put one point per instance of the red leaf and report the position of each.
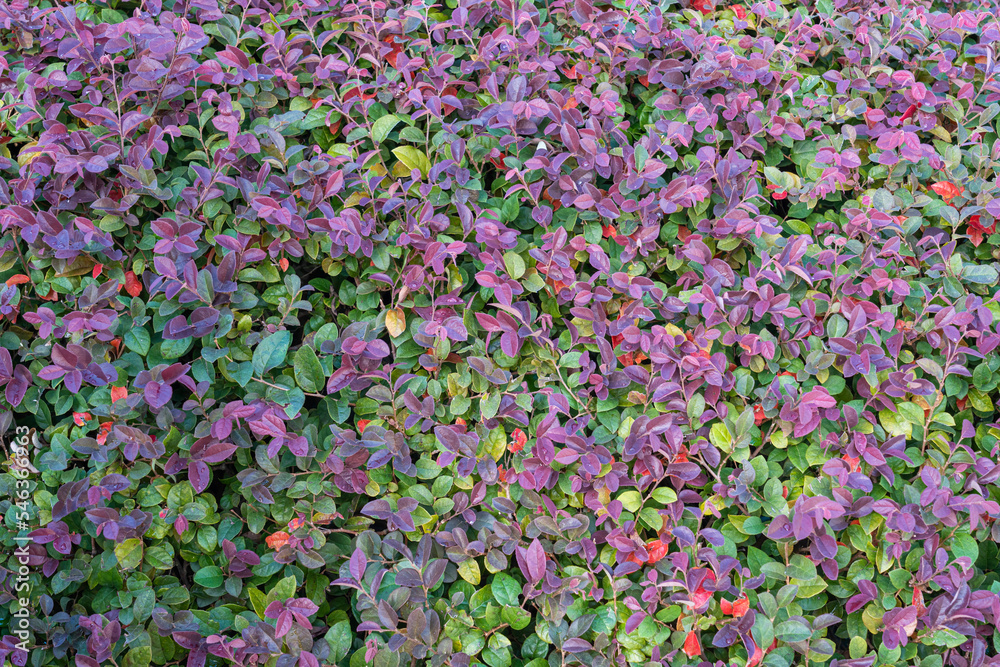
(741, 607)
(132, 284)
(947, 190)
(520, 439)
(758, 415)
(657, 549)
(396, 50)
(692, 645)
(704, 6)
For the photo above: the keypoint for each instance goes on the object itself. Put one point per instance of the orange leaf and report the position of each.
(81, 418)
(18, 279)
(118, 392)
(278, 540)
(98, 268)
(296, 523)
(362, 424)
(132, 284)
(283, 263)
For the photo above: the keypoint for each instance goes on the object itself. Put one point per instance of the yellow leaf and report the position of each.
(673, 329)
(469, 570)
(395, 322)
(25, 156)
(412, 159)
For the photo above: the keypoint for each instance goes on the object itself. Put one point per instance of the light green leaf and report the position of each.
(271, 351)
(412, 159)
(308, 371)
(383, 126)
(129, 553)
(981, 274)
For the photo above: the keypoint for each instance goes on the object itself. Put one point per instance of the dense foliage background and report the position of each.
(501, 332)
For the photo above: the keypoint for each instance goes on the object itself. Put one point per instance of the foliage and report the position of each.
(499, 332)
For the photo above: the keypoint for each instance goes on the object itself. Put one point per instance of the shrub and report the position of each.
(505, 333)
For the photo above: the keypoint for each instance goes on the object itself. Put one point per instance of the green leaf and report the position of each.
(129, 553)
(948, 637)
(145, 599)
(763, 630)
(383, 126)
(140, 656)
(801, 568)
(489, 404)
(721, 437)
(209, 577)
(664, 495)
(271, 351)
(137, 340)
(258, 600)
(981, 274)
(964, 545)
(339, 637)
(514, 264)
(792, 631)
(308, 371)
(283, 590)
(506, 590)
(630, 500)
(981, 376)
(517, 618)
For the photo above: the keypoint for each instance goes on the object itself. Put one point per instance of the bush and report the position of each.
(507, 333)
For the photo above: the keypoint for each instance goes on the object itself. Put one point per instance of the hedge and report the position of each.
(517, 333)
